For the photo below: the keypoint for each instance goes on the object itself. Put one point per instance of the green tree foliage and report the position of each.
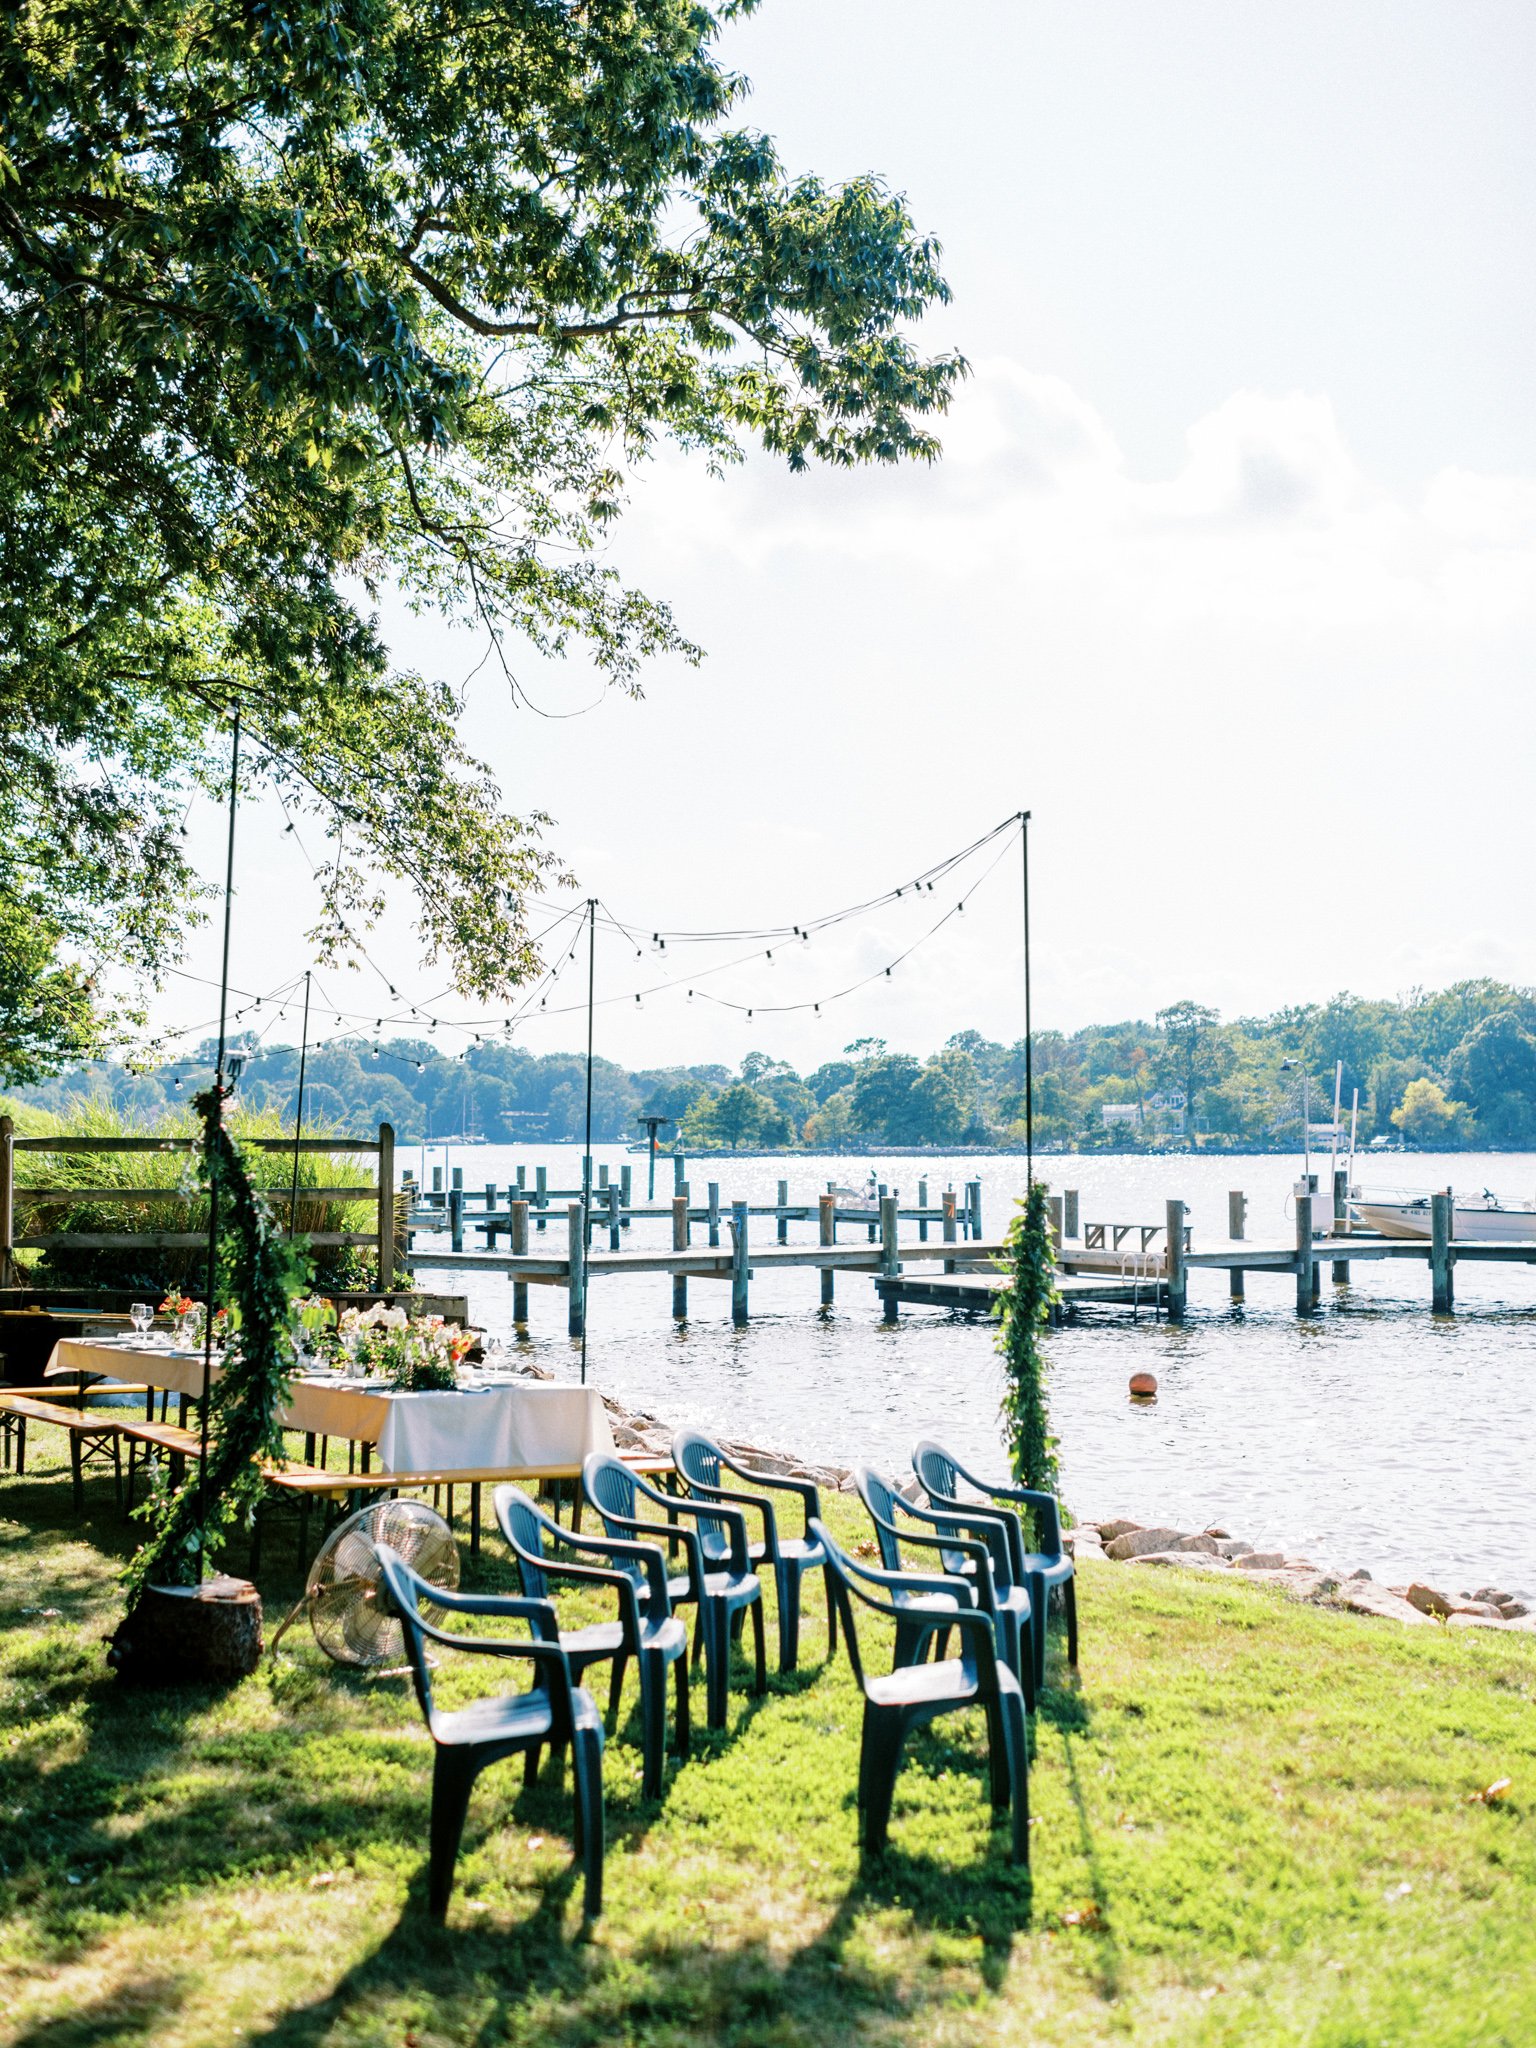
(737, 1118)
(302, 304)
(1026, 1301)
(1425, 1116)
(1250, 1074)
(1494, 1067)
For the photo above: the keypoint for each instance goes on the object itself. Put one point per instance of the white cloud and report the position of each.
(1269, 517)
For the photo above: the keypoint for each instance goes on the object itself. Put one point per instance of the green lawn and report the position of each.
(1254, 1825)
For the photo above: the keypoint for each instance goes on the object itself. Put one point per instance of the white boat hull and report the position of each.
(1473, 1226)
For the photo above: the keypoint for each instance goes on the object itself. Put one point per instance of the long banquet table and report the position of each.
(489, 1423)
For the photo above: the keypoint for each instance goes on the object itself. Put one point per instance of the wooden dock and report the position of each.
(977, 1294)
(1120, 1265)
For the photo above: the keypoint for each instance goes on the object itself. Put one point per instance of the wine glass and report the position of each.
(141, 1315)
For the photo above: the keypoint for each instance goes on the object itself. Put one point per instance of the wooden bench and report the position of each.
(92, 1437)
(178, 1445)
(307, 1483)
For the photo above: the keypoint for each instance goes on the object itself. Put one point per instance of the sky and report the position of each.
(1227, 575)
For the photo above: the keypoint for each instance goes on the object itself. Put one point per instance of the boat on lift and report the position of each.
(1401, 1213)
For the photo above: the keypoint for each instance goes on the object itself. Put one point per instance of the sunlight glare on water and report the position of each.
(1373, 1433)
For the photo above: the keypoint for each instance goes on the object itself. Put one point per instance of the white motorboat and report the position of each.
(1408, 1215)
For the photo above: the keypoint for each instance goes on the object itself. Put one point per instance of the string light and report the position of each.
(924, 883)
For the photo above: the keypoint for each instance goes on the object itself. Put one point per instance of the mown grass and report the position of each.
(1254, 1825)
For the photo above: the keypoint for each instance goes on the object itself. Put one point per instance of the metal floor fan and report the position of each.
(348, 1610)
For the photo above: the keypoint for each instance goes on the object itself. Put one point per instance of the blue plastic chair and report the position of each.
(939, 1473)
(912, 1695)
(515, 1724)
(720, 1586)
(972, 1549)
(650, 1632)
(700, 1463)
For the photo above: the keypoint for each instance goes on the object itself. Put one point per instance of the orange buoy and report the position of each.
(1143, 1386)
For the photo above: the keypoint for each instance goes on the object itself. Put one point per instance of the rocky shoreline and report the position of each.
(1118, 1540)
(1215, 1550)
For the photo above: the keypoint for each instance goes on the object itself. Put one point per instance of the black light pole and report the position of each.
(218, 1111)
(298, 1114)
(1029, 1034)
(652, 1125)
(586, 1156)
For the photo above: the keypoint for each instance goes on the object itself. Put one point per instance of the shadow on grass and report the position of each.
(133, 2012)
(226, 1803)
(1063, 1707)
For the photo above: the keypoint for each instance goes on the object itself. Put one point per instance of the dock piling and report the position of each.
(1237, 1227)
(951, 1225)
(922, 1203)
(1071, 1221)
(712, 1198)
(828, 1208)
(1178, 1272)
(541, 1193)
(1340, 1222)
(1306, 1263)
(576, 1235)
(783, 1205)
(614, 1214)
(1055, 1212)
(626, 1191)
(740, 1272)
(680, 1244)
(456, 1214)
(519, 1248)
(1442, 1218)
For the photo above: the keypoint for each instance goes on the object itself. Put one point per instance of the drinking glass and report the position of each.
(141, 1315)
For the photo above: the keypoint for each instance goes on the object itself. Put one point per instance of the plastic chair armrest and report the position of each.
(539, 1614)
(688, 1538)
(745, 1500)
(778, 1482)
(1045, 1505)
(966, 1546)
(649, 1556)
(734, 1520)
(986, 1523)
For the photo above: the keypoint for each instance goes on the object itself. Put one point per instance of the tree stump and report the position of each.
(207, 1634)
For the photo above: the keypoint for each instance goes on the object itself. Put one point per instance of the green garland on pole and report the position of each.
(261, 1274)
(1027, 1301)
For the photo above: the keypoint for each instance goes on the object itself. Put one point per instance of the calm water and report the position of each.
(1371, 1434)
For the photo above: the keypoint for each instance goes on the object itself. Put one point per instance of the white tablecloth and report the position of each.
(500, 1425)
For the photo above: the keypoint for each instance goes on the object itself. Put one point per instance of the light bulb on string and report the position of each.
(768, 956)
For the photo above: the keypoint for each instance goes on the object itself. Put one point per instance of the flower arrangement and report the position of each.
(416, 1354)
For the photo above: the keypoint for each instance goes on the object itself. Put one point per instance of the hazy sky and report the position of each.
(1228, 573)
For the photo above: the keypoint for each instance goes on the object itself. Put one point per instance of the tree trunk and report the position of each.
(207, 1634)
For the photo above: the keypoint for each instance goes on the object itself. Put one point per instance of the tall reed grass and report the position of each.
(147, 1268)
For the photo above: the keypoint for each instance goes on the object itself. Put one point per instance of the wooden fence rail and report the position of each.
(381, 1195)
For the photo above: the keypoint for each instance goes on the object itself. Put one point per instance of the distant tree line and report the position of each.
(1455, 1068)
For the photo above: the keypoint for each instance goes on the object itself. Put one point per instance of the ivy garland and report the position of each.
(1027, 1301)
(262, 1273)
